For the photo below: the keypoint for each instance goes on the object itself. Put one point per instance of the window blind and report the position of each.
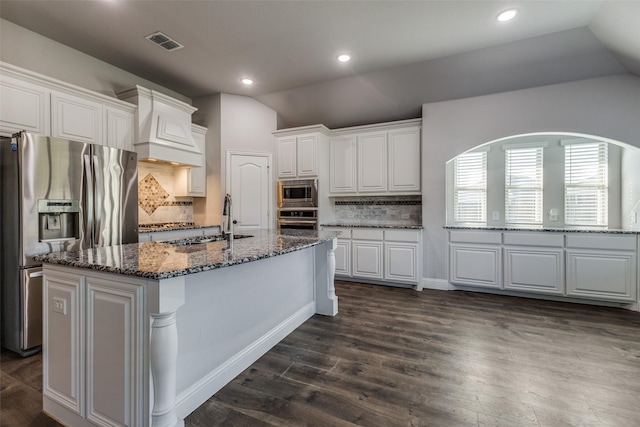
(586, 184)
(470, 187)
(523, 185)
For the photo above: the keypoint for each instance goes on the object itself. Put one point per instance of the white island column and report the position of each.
(165, 298)
(326, 299)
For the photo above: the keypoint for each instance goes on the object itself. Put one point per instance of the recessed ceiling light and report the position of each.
(247, 81)
(344, 57)
(507, 15)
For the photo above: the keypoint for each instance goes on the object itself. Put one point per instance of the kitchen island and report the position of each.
(142, 334)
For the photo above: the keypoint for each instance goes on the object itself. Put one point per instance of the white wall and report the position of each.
(236, 123)
(630, 191)
(26, 49)
(607, 107)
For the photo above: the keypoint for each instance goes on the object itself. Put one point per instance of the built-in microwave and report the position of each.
(298, 193)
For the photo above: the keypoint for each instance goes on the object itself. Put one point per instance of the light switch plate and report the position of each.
(496, 215)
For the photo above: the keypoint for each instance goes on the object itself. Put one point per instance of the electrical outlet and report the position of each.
(404, 216)
(349, 214)
(60, 305)
(496, 215)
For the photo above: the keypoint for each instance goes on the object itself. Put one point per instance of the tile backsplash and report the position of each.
(156, 200)
(398, 210)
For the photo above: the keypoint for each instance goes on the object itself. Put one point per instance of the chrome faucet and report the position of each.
(228, 230)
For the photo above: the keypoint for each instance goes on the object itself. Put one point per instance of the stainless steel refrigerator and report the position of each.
(56, 195)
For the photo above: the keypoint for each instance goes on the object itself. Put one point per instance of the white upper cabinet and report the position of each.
(23, 106)
(297, 151)
(342, 164)
(36, 103)
(192, 181)
(118, 127)
(287, 157)
(403, 151)
(372, 162)
(307, 156)
(76, 118)
(380, 159)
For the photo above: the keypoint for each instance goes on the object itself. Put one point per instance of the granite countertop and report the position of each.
(152, 228)
(162, 260)
(543, 229)
(397, 226)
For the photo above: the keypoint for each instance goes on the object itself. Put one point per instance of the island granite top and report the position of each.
(162, 260)
(541, 229)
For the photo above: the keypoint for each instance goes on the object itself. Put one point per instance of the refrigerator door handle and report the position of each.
(88, 203)
(99, 182)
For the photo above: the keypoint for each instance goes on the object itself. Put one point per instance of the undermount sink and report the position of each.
(204, 239)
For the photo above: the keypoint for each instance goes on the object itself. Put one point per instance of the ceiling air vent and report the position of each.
(163, 41)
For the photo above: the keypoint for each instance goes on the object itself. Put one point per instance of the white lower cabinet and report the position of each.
(475, 258)
(602, 267)
(475, 265)
(595, 266)
(343, 257)
(534, 262)
(534, 270)
(114, 367)
(106, 383)
(367, 259)
(377, 255)
(401, 262)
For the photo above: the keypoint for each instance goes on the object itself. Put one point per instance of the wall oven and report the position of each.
(299, 193)
(301, 219)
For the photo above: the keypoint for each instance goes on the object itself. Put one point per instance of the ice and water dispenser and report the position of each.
(58, 219)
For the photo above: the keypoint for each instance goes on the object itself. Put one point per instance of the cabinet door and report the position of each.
(372, 162)
(475, 266)
(603, 275)
(287, 157)
(63, 340)
(401, 262)
(23, 106)
(307, 156)
(76, 118)
(367, 259)
(192, 181)
(342, 164)
(404, 160)
(534, 270)
(343, 258)
(115, 364)
(119, 129)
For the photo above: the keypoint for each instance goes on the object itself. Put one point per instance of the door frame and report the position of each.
(270, 192)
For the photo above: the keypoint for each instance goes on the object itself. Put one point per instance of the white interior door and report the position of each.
(249, 184)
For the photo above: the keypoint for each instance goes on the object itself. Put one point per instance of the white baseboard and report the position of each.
(190, 399)
(438, 284)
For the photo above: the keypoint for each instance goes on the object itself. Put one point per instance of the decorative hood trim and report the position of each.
(163, 127)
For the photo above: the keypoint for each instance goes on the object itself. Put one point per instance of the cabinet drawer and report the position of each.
(534, 239)
(492, 237)
(602, 242)
(412, 236)
(367, 234)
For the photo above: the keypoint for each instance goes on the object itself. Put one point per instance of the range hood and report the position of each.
(163, 127)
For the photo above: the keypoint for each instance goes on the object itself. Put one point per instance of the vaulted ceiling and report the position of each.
(404, 53)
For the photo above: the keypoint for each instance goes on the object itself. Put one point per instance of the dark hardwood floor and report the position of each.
(396, 357)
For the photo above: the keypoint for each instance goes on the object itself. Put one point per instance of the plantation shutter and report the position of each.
(470, 188)
(586, 184)
(523, 185)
